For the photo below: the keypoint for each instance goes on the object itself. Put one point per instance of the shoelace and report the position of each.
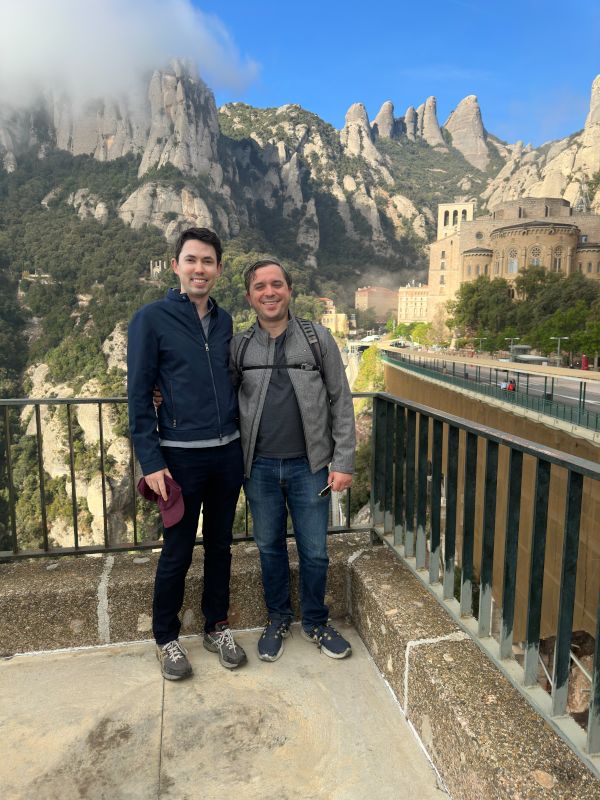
(173, 650)
(225, 639)
(280, 630)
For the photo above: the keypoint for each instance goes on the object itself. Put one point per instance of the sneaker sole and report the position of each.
(323, 649)
(213, 649)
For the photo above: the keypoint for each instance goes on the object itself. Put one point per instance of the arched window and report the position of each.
(497, 267)
(535, 257)
(557, 260)
(469, 270)
(477, 270)
(486, 269)
(442, 265)
(442, 280)
(589, 266)
(455, 217)
(513, 263)
(446, 217)
(464, 215)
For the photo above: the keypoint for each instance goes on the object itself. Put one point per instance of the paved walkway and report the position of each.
(100, 724)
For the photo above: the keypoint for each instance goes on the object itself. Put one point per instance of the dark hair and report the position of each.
(265, 262)
(201, 235)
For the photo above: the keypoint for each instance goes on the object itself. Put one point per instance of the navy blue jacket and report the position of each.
(167, 348)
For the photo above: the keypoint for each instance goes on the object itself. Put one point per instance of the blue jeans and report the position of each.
(274, 486)
(211, 478)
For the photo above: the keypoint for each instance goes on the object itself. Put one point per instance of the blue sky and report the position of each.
(531, 64)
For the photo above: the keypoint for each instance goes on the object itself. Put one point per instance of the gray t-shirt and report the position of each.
(280, 433)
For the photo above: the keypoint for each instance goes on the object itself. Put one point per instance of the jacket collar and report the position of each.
(179, 297)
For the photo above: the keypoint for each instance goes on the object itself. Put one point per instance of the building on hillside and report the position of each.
(337, 323)
(530, 231)
(412, 303)
(328, 303)
(384, 302)
(157, 266)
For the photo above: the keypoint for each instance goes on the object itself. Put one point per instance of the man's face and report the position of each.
(269, 294)
(197, 269)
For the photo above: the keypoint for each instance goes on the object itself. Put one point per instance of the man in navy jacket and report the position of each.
(181, 345)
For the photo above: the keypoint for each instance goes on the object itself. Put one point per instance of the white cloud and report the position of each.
(93, 49)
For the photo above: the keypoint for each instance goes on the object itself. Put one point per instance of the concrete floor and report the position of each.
(100, 724)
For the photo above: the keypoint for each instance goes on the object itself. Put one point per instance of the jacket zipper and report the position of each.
(212, 377)
(173, 404)
(256, 420)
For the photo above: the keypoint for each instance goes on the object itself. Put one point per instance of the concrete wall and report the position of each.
(502, 417)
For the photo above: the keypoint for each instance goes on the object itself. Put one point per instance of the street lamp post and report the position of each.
(511, 339)
(480, 339)
(558, 340)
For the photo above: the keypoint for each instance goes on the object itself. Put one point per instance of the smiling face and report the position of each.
(197, 270)
(269, 295)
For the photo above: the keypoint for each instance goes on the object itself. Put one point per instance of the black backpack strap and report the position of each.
(308, 329)
(241, 351)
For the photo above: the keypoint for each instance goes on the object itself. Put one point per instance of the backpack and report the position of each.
(308, 329)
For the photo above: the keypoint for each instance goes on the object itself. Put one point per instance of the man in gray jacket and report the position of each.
(298, 439)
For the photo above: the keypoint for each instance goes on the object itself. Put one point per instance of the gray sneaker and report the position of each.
(231, 655)
(174, 662)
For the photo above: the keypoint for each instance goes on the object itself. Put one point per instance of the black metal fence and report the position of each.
(29, 494)
(424, 507)
(538, 393)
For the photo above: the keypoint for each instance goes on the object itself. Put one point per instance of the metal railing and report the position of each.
(28, 492)
(424, 508)
(486, 380)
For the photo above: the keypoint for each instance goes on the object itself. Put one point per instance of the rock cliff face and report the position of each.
(243, 167)
(466, 127)
(557, 169)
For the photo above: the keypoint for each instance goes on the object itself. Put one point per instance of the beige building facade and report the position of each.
(531, 231)
(384, 302)
(412, 304)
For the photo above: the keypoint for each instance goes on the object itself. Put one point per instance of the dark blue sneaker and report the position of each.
(328, 640)
(270, 644)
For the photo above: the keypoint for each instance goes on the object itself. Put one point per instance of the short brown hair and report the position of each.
(265, 262)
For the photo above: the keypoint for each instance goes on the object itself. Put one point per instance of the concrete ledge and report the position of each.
(74, 602)
(481, 734)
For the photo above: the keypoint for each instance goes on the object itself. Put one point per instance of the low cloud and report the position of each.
(95, 49)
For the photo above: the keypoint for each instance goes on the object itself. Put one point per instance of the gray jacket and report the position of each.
(325, 402)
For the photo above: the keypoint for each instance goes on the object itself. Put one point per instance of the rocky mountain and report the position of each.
(557, 169)
(240, 167)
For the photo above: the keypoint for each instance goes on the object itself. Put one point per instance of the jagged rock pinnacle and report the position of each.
(468, 135)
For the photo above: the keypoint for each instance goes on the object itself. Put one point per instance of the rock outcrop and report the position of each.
(558, 170)
(468, 135)
(169, 209)
(430, 128)
(384, 124)
(410, 123)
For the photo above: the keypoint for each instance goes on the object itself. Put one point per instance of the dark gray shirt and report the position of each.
(280, 433)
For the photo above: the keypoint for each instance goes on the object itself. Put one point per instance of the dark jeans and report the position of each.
(274, 484)
(210, 477)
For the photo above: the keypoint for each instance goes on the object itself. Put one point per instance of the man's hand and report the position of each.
(156, 481)
(339, 481)
(157, 398)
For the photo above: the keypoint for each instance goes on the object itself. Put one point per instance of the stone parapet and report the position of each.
(48, 604)
(481, 734)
